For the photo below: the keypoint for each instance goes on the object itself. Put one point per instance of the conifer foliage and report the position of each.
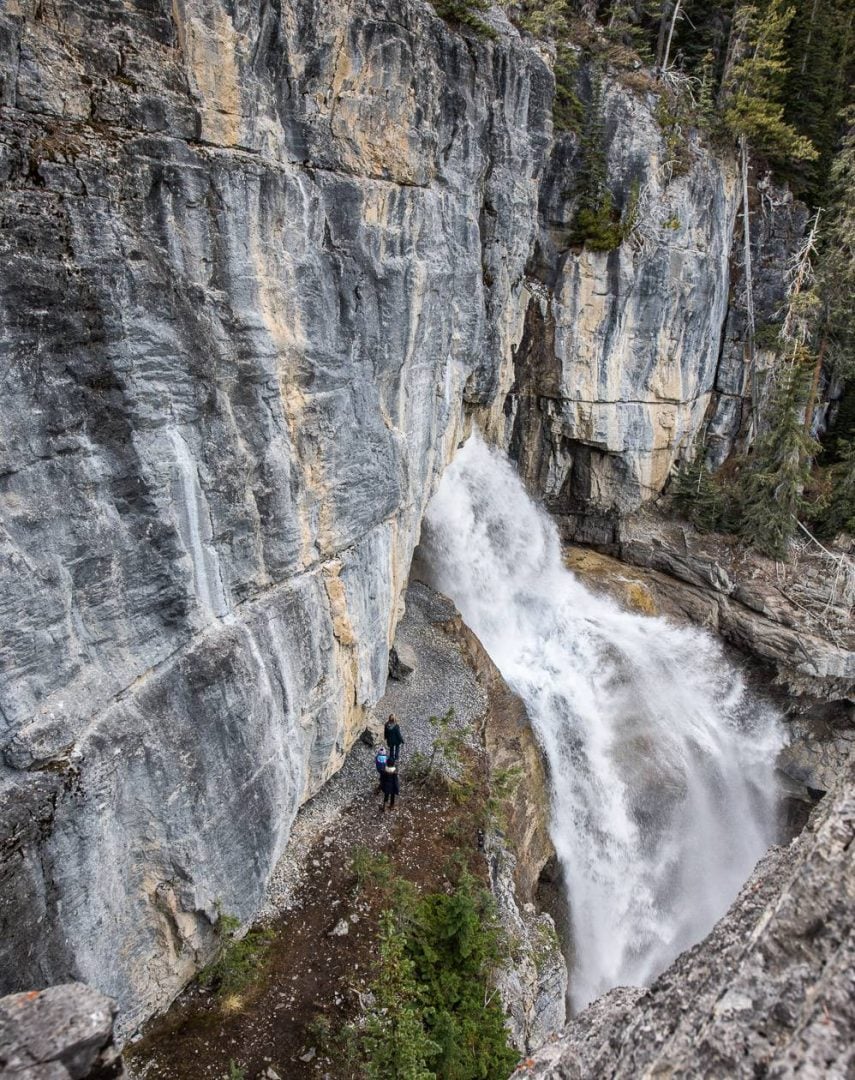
(775, 79)
(836, 273)
(597, 223)
(434, 1014)
(466, 13)
(775, 477)
(753, 89)
(696, 495)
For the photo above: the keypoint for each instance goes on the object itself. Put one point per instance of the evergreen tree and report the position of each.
(773, 482)
(395, 1042)
(836, 272)
(547, 18)
(625, 26)
(696, 494)
(756, 80)
(820, 53)
(597, 222)
(836, 512)
(435, 1014)
(455, 945)
(466, 13)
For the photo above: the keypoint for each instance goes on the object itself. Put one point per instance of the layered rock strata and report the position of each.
(619, 360)
(245, 307)
(262, 265)
(796, 619)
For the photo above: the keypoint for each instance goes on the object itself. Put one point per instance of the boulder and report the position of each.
(61, 1033)
(402, 661)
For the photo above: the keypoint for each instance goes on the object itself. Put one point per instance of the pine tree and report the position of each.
(395, 1042)
(466, 13)
(836, 272)
(836, 331)
(546, 18)
(706, 92)
(624, 27)
(755, 84)
(696, 494)
(773, 482)
(836, 513)
(568, 112)
(597, 222)
(822, 65)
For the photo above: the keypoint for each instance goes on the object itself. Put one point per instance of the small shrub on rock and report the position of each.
(465, 13)
(433, 1012)
(240, 959)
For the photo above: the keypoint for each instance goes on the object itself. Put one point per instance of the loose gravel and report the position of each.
(441, 679)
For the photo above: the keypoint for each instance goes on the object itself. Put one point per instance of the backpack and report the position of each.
(380, 760)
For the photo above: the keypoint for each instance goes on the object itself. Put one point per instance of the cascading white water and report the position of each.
(663, 794)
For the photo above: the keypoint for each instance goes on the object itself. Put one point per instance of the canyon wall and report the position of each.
(619, 359)
(767, 993)
(262, 266)
(243, 307)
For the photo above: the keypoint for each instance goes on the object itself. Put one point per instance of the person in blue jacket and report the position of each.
(380, 759)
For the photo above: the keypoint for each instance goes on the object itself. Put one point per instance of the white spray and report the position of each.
(661, 764)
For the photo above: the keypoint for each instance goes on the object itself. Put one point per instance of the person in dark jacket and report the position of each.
(390, 786)
(394, 738)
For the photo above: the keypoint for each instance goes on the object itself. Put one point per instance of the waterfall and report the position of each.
(661, 764)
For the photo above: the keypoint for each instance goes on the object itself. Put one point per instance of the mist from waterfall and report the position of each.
(661, 763)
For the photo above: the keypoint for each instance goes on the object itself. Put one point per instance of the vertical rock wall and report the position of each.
(243, 299)
(619, 359)
(260, 266)
(777, 223)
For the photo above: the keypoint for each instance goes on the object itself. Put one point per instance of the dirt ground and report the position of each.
(311, 973)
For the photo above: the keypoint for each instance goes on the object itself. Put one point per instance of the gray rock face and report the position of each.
(62, 1033)
(619, 358)
(261, 265)
(769, 992)
(533, 983)
(777, 223)
(244, 297)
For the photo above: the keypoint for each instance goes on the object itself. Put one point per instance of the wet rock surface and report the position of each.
(796, 618)
(262, 266)
(769, 992)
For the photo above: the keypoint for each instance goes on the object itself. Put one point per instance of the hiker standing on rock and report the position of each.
(390, 786)
(394, 738)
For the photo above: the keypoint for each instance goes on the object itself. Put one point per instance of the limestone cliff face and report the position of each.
(621, 350)
(243, 309)
(262, 265)
(777, 223)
